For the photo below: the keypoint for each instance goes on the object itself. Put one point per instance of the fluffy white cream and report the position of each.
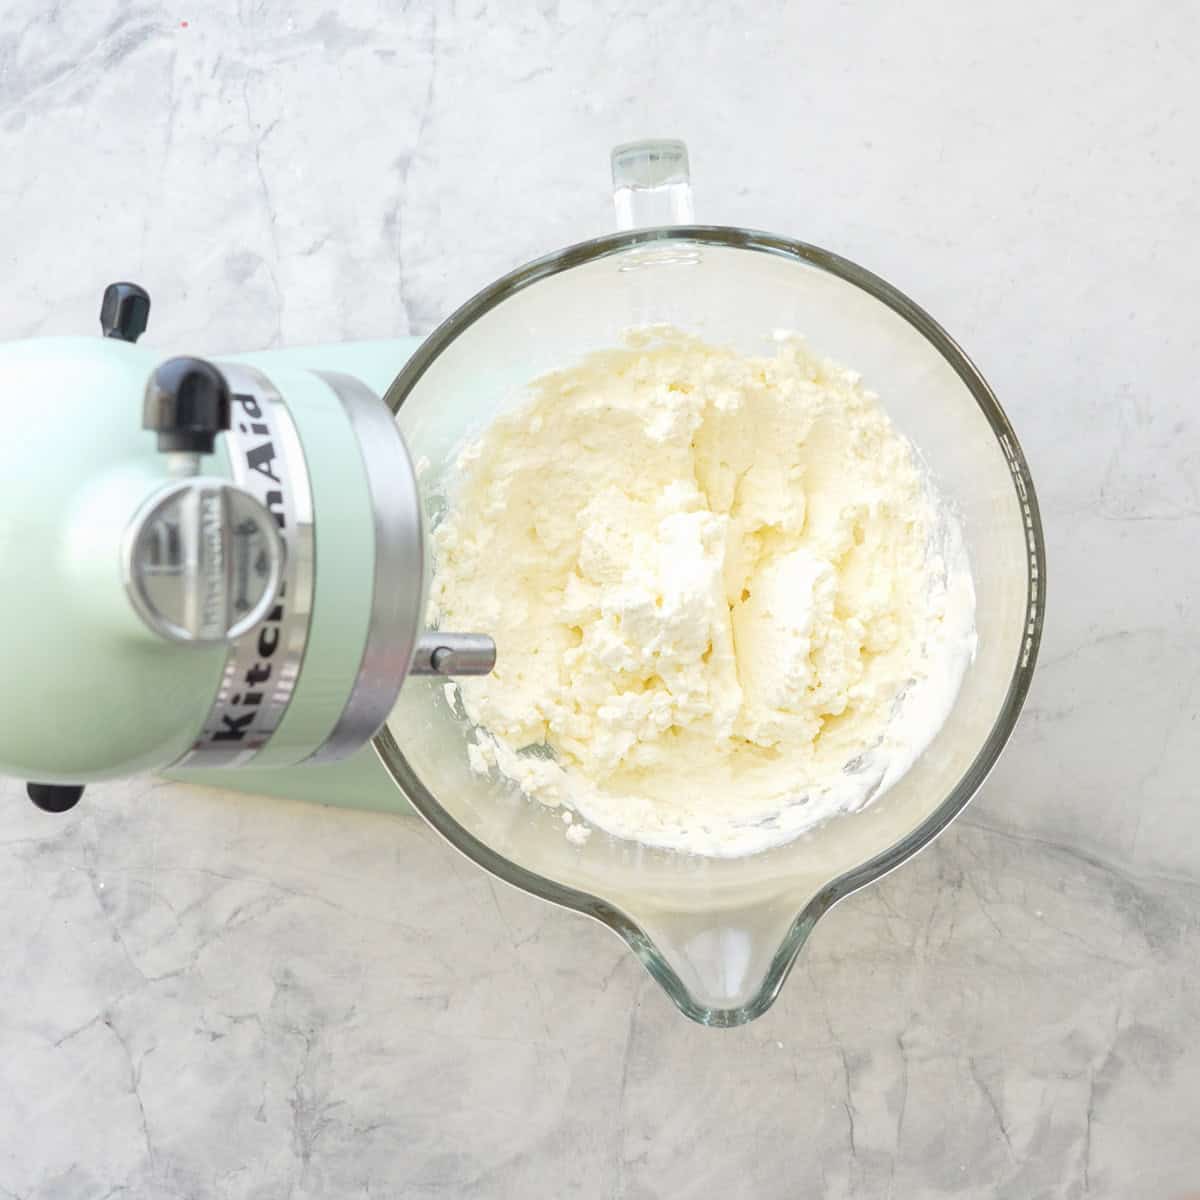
(724, 595)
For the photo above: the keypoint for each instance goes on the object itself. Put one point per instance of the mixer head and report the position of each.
(245, 589)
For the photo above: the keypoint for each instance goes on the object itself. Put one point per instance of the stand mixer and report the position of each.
(230, 564)
(219, 569)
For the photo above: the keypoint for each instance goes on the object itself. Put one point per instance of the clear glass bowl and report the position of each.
(720, 935)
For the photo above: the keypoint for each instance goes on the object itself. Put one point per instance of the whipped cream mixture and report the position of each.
(728, 602)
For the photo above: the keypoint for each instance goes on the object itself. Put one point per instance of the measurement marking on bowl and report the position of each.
(1018, 474)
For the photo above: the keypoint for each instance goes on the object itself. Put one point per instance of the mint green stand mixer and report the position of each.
(227, 580)
(218, 570)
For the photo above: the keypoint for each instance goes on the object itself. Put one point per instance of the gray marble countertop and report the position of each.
(211, 995)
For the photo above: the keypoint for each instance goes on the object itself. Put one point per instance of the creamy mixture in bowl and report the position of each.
(727, 598)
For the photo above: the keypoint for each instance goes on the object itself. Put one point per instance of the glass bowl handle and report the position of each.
(652, 184)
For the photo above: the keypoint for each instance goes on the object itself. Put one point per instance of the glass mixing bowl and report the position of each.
(720, 935)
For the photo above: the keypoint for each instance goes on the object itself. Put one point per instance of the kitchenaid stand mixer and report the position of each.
(251, 627)
(208, 566)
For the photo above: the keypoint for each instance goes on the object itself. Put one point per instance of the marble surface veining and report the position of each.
(208, 995)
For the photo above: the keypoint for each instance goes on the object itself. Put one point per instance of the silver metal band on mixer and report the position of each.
(397, 598)
(262, 668)
(393, 649)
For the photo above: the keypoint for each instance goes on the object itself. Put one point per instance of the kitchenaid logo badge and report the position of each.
(255, 444)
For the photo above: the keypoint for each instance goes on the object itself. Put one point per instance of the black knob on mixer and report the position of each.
(187, 405)
(54, 797)
(124, 311)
